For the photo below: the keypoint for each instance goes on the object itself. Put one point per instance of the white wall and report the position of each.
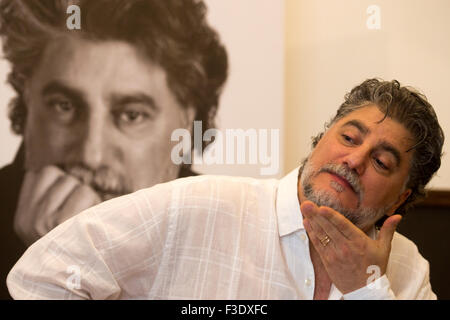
(8, 142)
(253, 32)
(330, 50)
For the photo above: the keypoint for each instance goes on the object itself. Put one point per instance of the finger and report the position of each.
(308, 208)
(35, 184)
(22, 215)
(316, 234)
(323, 250)
(322, 218)
(28, 184)
(52, 201)
(81, 198)
(341, 223)
(45, 177)
(311, 212)
(388, 229)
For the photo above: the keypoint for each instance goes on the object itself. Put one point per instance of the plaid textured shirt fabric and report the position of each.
(206, 237)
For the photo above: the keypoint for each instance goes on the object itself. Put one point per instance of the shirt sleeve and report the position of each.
(101, 253)
(425, 292)
(379, 289)
(53, 267)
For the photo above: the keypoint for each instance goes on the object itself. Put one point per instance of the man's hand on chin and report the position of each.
(49, 197)
(345, 250)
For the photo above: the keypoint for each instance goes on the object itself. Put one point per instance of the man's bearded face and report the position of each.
(102, 112)
(359, 167)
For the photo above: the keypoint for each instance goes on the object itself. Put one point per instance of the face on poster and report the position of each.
(248, 124)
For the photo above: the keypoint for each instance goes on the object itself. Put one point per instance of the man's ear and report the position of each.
(401, 199)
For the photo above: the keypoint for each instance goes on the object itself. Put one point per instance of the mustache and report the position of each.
(346, 173)
(103, 180)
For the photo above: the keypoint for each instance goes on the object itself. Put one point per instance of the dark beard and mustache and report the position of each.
(360, 216)
(104, 181)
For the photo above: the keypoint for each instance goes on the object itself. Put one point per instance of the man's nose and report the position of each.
(92, 151)
(357, 160)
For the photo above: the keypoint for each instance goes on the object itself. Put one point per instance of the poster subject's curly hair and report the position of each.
(171, 33)
(411, 109)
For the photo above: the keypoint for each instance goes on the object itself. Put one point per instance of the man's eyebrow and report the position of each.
(54, 87)
(358, 125)
(385, 146)
(138, 97)
(57, 87)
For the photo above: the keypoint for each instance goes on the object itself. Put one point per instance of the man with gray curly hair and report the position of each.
(325, 231)
(96, 106)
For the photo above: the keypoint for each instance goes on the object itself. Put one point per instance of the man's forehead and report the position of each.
(74, 51)
(94, 66)
(370, 120)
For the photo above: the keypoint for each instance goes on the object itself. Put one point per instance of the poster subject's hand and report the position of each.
(49, 197)
(345, 250)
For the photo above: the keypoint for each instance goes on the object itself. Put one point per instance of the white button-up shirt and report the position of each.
(206, 237)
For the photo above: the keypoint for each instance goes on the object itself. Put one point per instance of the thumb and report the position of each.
(387, 230)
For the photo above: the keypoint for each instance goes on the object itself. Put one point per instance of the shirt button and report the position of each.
(303, 237)
(308, 282)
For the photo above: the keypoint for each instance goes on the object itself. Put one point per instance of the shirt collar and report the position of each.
(288, 208)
